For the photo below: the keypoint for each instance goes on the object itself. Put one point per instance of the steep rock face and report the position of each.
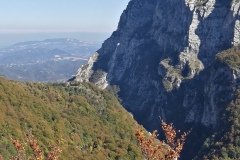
(206, 95)
(161, 56)
(161, 48)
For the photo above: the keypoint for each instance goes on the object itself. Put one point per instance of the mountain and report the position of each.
(78, 118)
(163, 58)
(48, 60)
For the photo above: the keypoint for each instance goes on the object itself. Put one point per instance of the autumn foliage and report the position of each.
(37, 153)
(154, 149)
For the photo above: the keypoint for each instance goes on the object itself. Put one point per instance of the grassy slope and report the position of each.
(83, 121)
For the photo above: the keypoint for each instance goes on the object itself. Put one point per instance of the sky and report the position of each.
(37, 16)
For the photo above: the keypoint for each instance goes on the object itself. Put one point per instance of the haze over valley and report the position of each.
(45, 61)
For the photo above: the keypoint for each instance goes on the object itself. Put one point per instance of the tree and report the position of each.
(154, 149)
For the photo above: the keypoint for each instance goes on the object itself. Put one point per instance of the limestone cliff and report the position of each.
(162, 56)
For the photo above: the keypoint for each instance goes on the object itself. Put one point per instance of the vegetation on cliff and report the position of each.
(225, 142)
(231, 57)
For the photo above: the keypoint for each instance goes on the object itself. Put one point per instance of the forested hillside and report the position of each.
(81, 120)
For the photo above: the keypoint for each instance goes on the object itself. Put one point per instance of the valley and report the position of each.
(45, 61)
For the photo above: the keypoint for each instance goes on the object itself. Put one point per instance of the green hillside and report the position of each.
(83, 121)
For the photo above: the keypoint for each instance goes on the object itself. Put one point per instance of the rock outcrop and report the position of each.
(85, 72)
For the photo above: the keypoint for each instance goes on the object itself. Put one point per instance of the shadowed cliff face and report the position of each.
(161, 45)
(162, 58)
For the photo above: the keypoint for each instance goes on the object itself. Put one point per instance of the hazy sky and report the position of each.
(60, 15)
